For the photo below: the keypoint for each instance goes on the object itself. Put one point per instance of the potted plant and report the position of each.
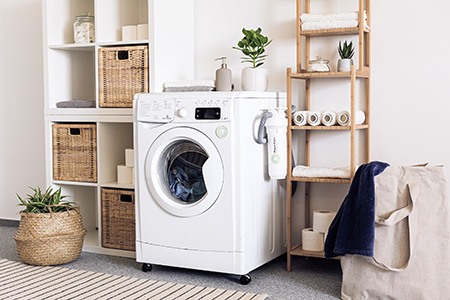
(346, 52)
(51, 230)
(252, 46)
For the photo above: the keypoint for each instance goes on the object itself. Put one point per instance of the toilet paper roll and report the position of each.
(300, 118)
(314, 118)
(344, 118)
(329, 118)
(129, 157)
(311, 240)
(124, 174)
(129, 33)
(142, 31)
(322, 220)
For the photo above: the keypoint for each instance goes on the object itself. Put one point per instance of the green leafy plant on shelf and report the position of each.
(45, 202)
(346, 50)
(253, 45)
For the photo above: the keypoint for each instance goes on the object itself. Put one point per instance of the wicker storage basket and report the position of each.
(123, 72)
(118, 221)
(50, 238)
(75, 152)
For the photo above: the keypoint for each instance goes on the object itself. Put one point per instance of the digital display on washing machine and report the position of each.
(207, 113)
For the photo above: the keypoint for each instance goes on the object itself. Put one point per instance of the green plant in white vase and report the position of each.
(346, 51)
(253, 47)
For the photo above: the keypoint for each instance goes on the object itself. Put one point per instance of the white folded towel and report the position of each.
(306, 171)
(329, 25)
(189, 83)
(345, 16)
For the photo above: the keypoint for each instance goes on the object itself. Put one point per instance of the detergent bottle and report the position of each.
(276, 127)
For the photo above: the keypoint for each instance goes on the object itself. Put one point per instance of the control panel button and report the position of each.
(221, 132)
(182, 113)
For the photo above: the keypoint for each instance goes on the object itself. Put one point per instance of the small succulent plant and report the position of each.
(47, 202)
(346, 50)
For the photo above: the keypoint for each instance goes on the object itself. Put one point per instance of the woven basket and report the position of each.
(45, 239)
(75, 152)
(118, 219)
(123, 72)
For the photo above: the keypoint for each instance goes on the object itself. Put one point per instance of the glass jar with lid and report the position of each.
(319, 65)
(84, 29)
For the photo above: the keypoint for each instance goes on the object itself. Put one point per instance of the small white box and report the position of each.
(124, 174)
(129, 157)
(129, 33)
(142, 31)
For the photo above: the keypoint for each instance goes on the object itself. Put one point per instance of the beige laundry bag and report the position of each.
(412, 239)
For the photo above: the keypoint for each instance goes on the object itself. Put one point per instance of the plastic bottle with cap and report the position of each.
(223, 76)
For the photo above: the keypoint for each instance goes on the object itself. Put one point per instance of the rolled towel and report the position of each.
(345, 16)
(329, 118)
(300, 118)
(314, 118)
(344, 118)
(307, 171)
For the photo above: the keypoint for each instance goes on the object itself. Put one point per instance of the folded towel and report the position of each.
(306, 171)
(189, 83)
(352, 231)
(329, 25)
(345, 16)
(76, 104)
(189, 89)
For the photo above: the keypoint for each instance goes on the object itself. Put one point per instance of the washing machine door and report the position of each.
(184, 171)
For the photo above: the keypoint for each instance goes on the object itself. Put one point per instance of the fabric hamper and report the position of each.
(118, 219)
(123, 72)
(412, 239)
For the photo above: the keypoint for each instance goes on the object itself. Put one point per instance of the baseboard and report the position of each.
(9, 223)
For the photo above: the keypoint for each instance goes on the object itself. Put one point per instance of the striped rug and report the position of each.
(20, 281)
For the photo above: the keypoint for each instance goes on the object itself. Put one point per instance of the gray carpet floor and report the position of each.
(309, 279)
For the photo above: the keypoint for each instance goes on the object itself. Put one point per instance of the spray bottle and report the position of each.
(276, 127)
(223, 76)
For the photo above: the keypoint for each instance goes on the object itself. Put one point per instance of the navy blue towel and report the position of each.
(353, 229)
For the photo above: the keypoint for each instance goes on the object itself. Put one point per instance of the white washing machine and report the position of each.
(204, 197)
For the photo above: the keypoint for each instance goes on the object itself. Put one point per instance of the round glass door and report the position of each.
(184, 171)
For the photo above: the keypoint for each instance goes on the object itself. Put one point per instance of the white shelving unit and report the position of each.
(71, 72)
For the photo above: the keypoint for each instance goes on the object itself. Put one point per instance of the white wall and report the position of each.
(410, 89)
(21, 112)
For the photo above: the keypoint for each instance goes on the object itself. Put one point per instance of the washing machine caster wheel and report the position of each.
(245, 279)
(146, 267)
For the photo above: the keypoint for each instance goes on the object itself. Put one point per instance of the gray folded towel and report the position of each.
(189, 89)
(76, 104)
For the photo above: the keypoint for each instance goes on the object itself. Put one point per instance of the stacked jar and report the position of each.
(84, 29)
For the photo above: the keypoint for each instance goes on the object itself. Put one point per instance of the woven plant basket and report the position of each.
(45, 239)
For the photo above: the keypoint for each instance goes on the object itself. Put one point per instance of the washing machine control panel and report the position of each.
(167, 110)
(199, 110)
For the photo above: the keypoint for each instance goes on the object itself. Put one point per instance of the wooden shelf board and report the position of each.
(74, 47)
(122, 43)
(117, 185)
(365, 73)
(334, 31)
(331, 128)
(298, 251)
(321, 179)
(78, 183)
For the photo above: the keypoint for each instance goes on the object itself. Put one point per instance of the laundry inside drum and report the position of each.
(185, 161)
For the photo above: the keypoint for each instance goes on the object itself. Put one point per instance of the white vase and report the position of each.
(344, 65)
(254, 79)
